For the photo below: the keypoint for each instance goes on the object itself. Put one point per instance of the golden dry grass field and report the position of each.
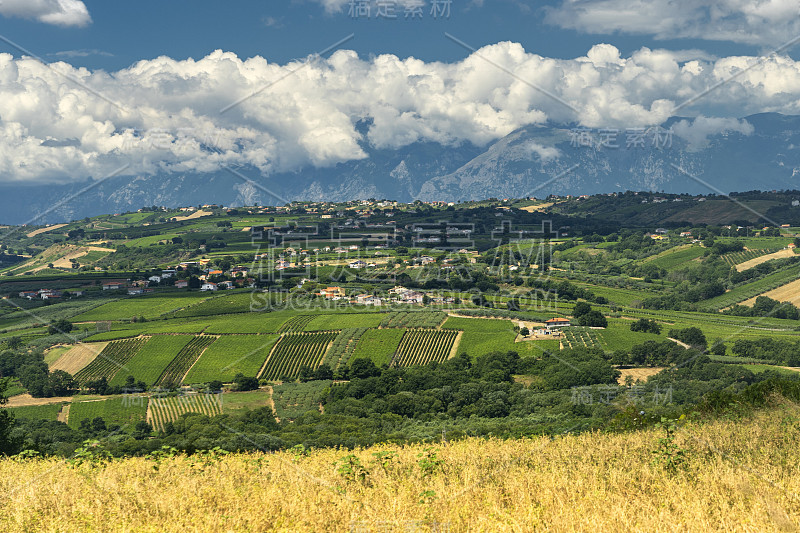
(780, 254)
(738, 476)
(785, 293)
(78, 357)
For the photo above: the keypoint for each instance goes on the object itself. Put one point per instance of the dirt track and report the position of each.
(45, 230)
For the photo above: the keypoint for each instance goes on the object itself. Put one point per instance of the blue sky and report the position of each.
(194, 86)
(121, 33)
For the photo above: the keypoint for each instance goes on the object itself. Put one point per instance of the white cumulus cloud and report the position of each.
(56, 12)
(61, 123)
(697, 131)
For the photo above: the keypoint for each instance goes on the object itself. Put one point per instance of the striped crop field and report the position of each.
(296, 324)
(735, 258)
(182, 362)
(294, 351)
(114, 357)
(163, 410)
(419, 347)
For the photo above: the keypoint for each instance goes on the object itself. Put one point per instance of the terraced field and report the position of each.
(113, 358)
(294, 351)
(419, 347)
(160, 411)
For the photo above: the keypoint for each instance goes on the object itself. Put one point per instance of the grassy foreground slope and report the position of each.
(738, 476)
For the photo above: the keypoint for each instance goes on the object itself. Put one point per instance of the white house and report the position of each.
(357, 264)
(208, 286)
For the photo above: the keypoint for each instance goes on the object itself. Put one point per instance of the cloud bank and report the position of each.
(165, 115)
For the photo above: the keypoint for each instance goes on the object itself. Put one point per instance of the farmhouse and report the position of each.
(30, 295)
(208, 286)
(181, 284)
(113, 285)
(332, 293)
(357, 264)
(48, 294)
(368, 299)
(557, 323)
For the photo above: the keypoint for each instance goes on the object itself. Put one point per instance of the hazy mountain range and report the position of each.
(537, 160)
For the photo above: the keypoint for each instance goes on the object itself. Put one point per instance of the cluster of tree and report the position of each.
(466, 397)
(766, 306)
(652, 353)
(692, 336)
(34, 375)
(714, 247)
(101, 386)
(646, 325)
(584, 315)
(564, 289)
(782, 352)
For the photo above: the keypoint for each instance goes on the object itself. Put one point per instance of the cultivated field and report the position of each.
(112, 359)
(737, 476)
(637, 374)
(150, 361)
(419, 347)
(295, 351)
(168, 409)
(231, 355)
(786, 293)
(77, 357)
(39, 231)
(178, 367)
(379, 345)
(764, 258)
(124, 411)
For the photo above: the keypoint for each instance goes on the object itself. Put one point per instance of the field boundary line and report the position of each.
(183, 377)
(456, 344)
(269, 356)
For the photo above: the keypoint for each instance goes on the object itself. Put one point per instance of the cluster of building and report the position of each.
(47, 294)
(398, 294)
